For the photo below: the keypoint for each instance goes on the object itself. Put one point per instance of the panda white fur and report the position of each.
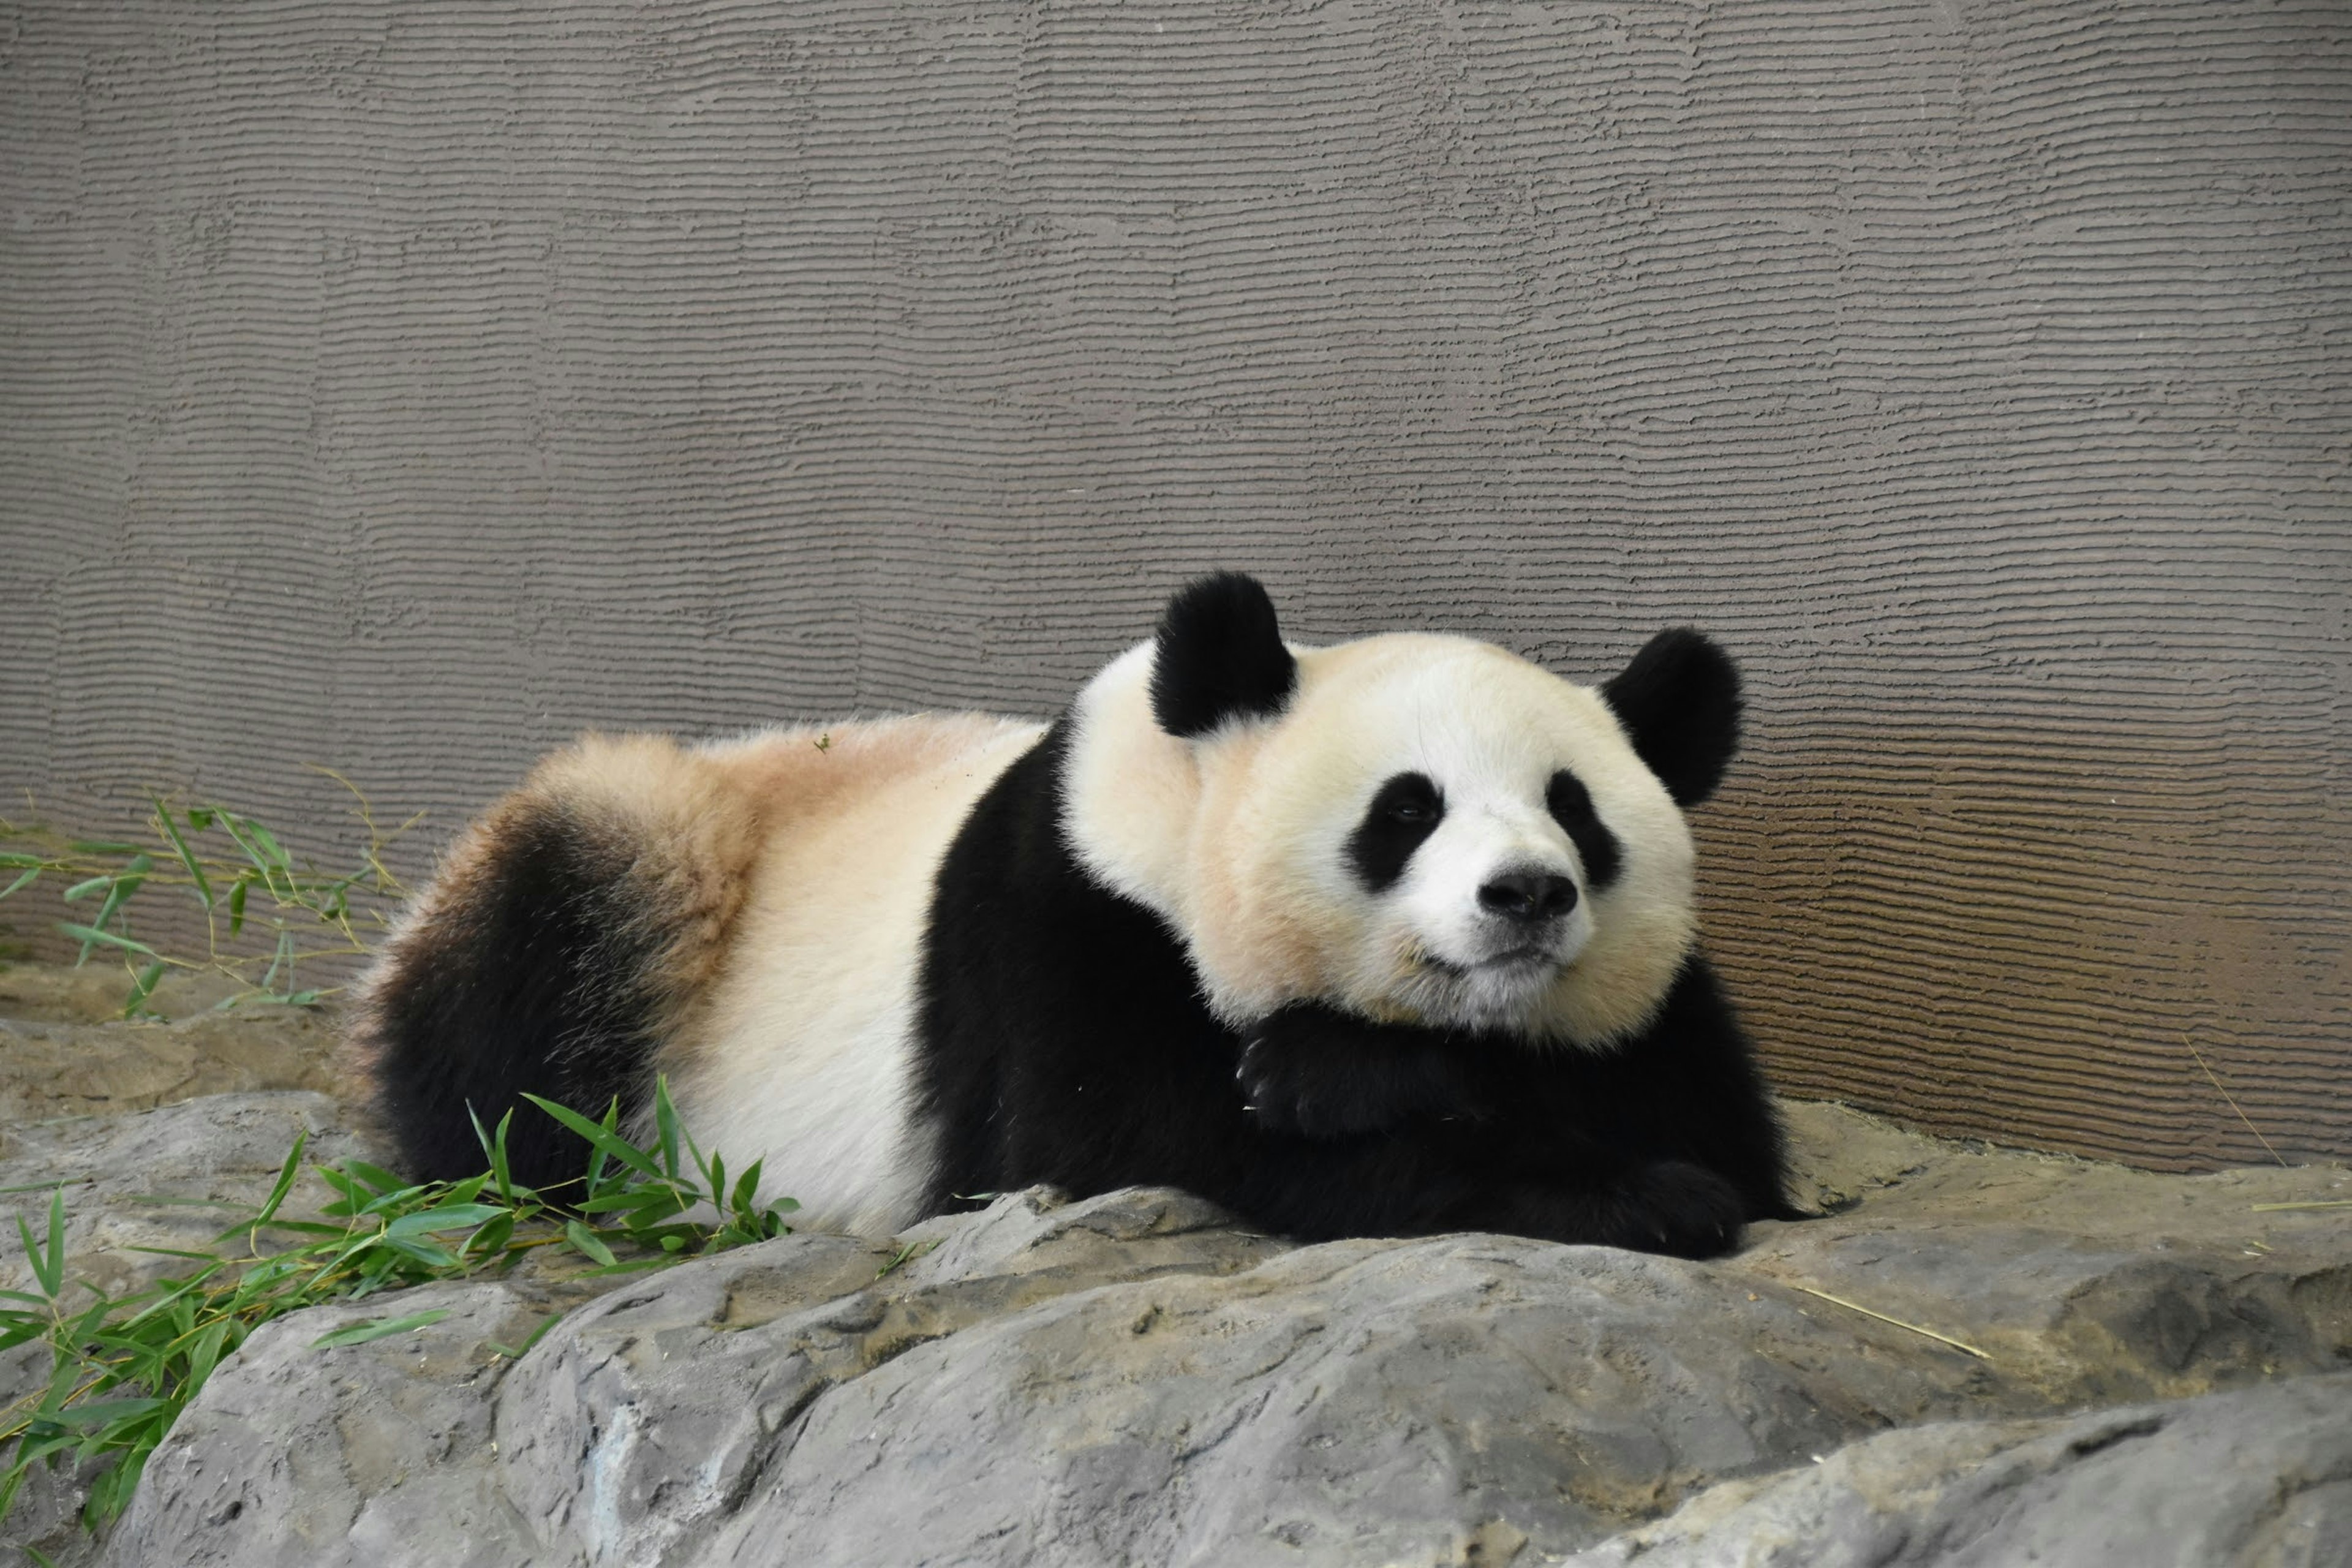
(1391, 937)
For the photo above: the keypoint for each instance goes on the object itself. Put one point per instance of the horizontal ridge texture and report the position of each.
(404, 387)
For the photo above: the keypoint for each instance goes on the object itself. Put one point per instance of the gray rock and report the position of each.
(1978, 1357)
(2260, 1477)
(1124, 1379)
(168, 1178)
(1350, 1403)
(96, 992)
(2096, 1283)
(375, 1453)
(54, 1070)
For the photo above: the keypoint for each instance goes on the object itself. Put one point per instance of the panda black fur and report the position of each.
(1392, 937)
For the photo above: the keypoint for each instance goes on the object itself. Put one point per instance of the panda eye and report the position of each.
(1409, 798)
(1404, 811)
(1571, 806)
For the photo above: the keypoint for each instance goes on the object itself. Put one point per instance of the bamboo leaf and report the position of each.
(142, 988)
(180, 848)
(447, 1216)
(377, 1329)
(495, 1149)
(429, 1253)
(517, 1353)
(380, 1180)
(666, 1126)
(89, 935)
(47, 1261)
(286, 1173)
(100, 1410)
(603, 1139)
(588, 1242)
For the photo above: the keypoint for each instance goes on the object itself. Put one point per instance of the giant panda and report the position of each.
(1390, 937)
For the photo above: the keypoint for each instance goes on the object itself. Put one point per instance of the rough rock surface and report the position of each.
(2083, 1364)
(65, 1049)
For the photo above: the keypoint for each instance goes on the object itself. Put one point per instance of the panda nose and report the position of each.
(1527, 896)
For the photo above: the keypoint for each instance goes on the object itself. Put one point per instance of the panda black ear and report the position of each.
(1679, 701)
(1220, 657)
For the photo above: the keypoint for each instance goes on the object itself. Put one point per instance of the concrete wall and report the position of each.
(406, 386)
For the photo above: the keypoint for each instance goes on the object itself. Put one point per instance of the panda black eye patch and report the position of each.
(1405, 812)
(1570, 805)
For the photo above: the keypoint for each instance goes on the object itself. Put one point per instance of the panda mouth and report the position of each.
(1507, 962)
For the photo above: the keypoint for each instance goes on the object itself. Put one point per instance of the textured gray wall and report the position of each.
(406, 386)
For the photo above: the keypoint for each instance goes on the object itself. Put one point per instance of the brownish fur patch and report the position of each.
(682, 830)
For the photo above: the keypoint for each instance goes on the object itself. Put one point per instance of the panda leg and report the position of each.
(1313, 1071)
(1670, 1207)
(546, 956)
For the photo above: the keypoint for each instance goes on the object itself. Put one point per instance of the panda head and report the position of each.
(1415, 828)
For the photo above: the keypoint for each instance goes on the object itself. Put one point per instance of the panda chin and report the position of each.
(1502, 990)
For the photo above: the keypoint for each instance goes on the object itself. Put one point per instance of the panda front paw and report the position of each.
(1312, 1072)
(1284, 1092)
(1680, 1209)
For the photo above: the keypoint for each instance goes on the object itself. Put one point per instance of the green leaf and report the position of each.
(97, 1412)
(628, 1266)
(377, 1329)
(302, 1227)
(47, 1262)
(119, 887)
(25, 879)
(268, 843)
(237, 905)
(425, 1252)
(205, 1353)
(666, 1126)
(644, 1205)
(287, 1173)
(603, 1139)
(142, 988)
(516, 1352)
(588, 1242)
(490, 1239)
(81, 890)
(180, 847)
(466, 1191)
(376, 1177)
(494, 1149)
(445, 1216)
(89, 934)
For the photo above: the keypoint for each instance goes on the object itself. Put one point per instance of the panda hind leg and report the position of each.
(550, 955)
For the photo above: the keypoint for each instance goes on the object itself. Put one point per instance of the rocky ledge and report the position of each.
(1979, 1356)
